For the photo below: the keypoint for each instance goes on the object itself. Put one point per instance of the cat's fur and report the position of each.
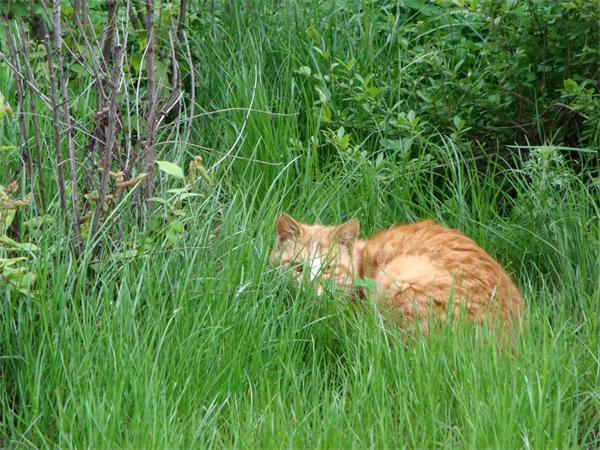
(419, 271)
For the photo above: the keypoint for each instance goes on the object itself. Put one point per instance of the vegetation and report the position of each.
(160, 323)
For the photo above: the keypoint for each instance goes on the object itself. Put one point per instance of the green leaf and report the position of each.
(189, 194)
(28, 247)
(6, 262)
(8, 219)
(459, 124)
(391, 144)
(5, 240)
(571, 86)
(305, 70)
(78, 69)
(171, 169)
(136, 62)
(177, 226)
(324, 94)
(366, 282)
(372, 91)
(13, 245)
(179, 191)
(326, 114)
(158, 200)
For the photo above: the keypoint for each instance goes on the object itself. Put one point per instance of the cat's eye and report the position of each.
(297, 267)
(327, 269)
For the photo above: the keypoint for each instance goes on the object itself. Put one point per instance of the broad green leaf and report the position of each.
(171, 169)
(571, 86)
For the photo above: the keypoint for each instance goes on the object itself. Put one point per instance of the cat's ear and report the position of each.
(347, 232)
(287, 227)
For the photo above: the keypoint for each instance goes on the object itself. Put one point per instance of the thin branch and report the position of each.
(168, 105)
(91, 55)
(74, 124)
(247, 115)
(149, 153)
(57, 131)
(183, 5)
(188, 57)
(67, 118)
(110, 30)
(212, 150)
(111, 136)
(34, 120)
(228, 110)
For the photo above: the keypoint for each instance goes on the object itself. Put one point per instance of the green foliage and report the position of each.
(171, 169)
(13, 9)
(168, 222)
(480, 70)
(16, 258)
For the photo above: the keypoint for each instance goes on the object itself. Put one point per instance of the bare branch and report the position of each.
(247, 115)
(149, 153)
(212, 150)
(111, 24)
(62, 190)
(41, 198)
(111, 136)
(183, 5)
(229, 110)
(188, 57)
(69, 131)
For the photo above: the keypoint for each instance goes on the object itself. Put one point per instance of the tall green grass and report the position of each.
(204, 344)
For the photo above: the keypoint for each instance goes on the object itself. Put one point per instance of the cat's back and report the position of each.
(420, 238)
(432, 260)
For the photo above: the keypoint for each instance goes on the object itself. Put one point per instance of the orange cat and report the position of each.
(418, 271)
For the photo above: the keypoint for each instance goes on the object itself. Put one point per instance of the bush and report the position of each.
(485, 71)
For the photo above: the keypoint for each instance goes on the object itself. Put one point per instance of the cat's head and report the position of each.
(316, 254)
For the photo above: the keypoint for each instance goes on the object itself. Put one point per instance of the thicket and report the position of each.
(117, 80)
(104, 92)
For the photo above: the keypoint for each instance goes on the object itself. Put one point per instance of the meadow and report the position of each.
(180, 334)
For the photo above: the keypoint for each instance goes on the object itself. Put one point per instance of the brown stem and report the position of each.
(106, 161)
(149, 153)
(188, 57)
(98, 70)
(41, 198)
(57, 132)
(111, 23)
(78, 244)
(132, 18)
(183, 5)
